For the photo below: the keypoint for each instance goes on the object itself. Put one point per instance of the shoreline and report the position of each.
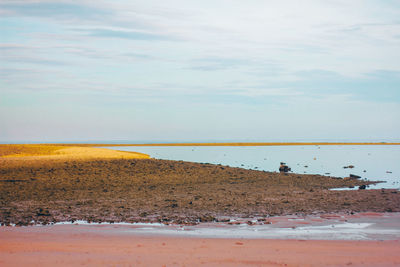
(332, 226)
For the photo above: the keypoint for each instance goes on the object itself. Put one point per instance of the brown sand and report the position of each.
(69, 246)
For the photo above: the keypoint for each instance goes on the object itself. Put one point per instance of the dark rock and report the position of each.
(361, 187)
(354, 176)
(43, 212)
(348, 167)
(284, 167)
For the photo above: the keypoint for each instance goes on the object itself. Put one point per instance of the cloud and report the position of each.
(269, 56)
(126, 34)
(216, 63)
(47, 9)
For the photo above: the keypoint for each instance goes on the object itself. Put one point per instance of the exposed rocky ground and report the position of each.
(169, 191)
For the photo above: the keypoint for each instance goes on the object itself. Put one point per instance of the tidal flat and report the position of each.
(44, 190)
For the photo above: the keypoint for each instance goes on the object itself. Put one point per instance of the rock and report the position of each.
(348, 167)
(361, 187)
(284, 167)
(43, 212)
(355, 176)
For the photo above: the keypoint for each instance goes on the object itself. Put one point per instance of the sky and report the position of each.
(257, 70)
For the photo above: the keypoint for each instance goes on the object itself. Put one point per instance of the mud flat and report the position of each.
(47, 189)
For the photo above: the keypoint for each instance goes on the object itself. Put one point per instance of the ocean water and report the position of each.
(377, 162)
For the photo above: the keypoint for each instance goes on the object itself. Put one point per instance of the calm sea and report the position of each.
(370, 162)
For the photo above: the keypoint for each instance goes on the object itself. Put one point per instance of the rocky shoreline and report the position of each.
(148, 190)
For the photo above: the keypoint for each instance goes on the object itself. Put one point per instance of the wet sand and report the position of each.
(70, 245)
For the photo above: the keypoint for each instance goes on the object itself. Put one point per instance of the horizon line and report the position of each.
(222, 144)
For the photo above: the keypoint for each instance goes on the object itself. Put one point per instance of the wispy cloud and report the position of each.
(126, 34)
(45, 9)
(216, 63)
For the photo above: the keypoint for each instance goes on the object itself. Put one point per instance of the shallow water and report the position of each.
(377, 162)
(379, 226)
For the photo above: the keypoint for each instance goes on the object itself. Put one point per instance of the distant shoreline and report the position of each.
(245, 144)
(83, 144)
